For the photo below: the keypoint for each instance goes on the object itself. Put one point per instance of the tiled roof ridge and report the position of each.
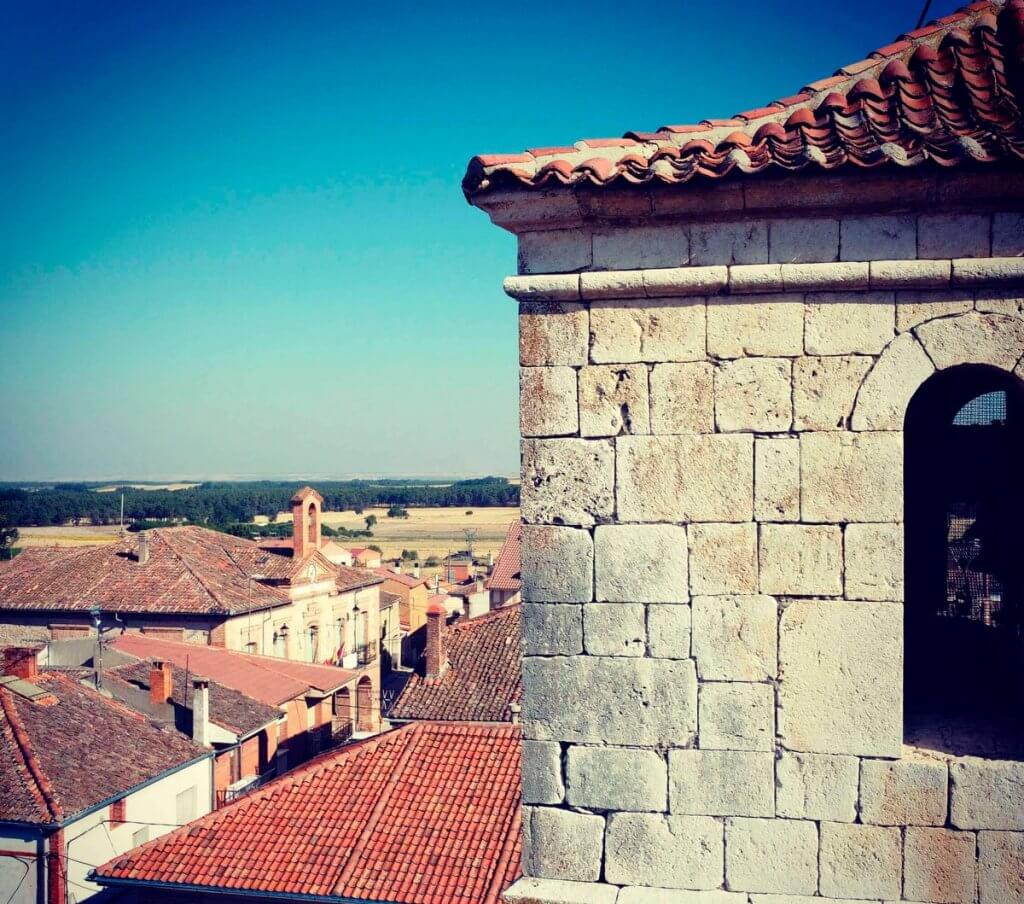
(226, 609)
(486, 618)
(40, 788)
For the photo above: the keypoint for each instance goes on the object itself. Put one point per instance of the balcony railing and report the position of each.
(366, 654)
(244, 786)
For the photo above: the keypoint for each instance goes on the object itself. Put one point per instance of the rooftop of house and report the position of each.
(484, 678)
(949, 92)
(427, 812)
(505, 575)
(388, 599)
(71, 748)
(407, 580)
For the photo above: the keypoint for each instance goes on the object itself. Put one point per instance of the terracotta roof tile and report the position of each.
(505, 575)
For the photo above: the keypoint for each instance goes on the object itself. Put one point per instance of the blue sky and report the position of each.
(234, 242)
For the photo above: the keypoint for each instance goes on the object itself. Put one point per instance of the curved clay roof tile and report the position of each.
(896, 71)
(866, 87)
(772, 130)
(832, 101)
(697, 146)
(801, 117)
(736, 139)
(924, 55)
(956, 36)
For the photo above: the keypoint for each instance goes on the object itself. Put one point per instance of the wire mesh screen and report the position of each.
(982, 411)
(972, 591)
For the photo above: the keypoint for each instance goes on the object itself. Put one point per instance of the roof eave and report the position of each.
(117, 882)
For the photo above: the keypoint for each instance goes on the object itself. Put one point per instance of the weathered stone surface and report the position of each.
(685, 478)
(841, 671)
(613, 400)
(910, 791)
(915, 307)
(851, 477)
(878, 238)
(723, 558)
(721, 782)
(638, 895)
(643, 563)
(744, 242)
(612, 284)
(639, 247)
(609, 700)
(816, 786)
(669, 330)
(771, 855)
(736, 716)
(542, 773)
(557, 564)
(987, 794)
(669, 851)
(849, 323)
(887, 390)
(682, 398)
(874, 562)
(860, 861)
(552, 333)
(822, 277)
(563, 845)
(939, 866)
(755, 278)
(551, 629)
(549, 287)
(557, 891)
(805, 899)
(953, 235)
(735, 637)
(1001, 301)
(554, 251)
(682, 281)
(616, 778)
(1008, 235)
(1001, 867)
(668, 631)
(776, 479)
(911, 275)
(802, 240)
(753, 394)
(824, 390)
(614, 629)
(801, 559)
(548, 404)
(567, 481)
(741, 325)
(987, 272)
(973, 339)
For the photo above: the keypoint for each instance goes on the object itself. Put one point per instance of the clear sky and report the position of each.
(233, 241)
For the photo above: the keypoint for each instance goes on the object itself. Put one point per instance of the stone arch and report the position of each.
(365, 708)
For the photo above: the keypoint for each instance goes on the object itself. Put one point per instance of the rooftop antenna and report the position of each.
(122, 514)
(924, 12)
(97, 659)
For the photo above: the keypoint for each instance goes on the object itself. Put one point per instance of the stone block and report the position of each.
(776, 479)
(1008, 235)
(841, 678)
(735, 637)
(816, 786)
(563, 845)
(860, 861)
(887, 390)
(550, 287)
(849, 323)
(685, 478)
(851, 477)
(542, 773)
(771, 325)
(669, 851)
(806, 899)
(824, 390)
(939, 866)
(668, 330)
(548, 404)
(613, 400)
(567, 481)
(668, 631)
(610, 700)
(801, 559)
(973, 339)
(987, 273)
(723, 558)
(736, 716)
(529, 890)
(754, 394)
(552, 629)
(1001, 867)
(953, 235)
(637, 895)
(777, 856)
(552, 333)
(616, 778)
(614, 629)
(555, 251)
(803, 240)
(644, 563)
(878, 238)
(641, 247)
(557, 564)
(682, 281)
(682, 398)
(612, 284)
(910, 791)
(742, 242)
(1001, 301)
(913, 307)
(874, 562)
(911, 275)
(823, 277)
(746, 279)
(721, 782)
(986, 794)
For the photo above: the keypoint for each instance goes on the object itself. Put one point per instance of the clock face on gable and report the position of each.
(311, 573)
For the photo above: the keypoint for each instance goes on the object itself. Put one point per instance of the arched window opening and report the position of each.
(964, 486)
(312, 526)
(311, 642)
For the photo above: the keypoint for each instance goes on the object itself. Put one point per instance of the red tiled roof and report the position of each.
(267, 679)
(74, 748)
(304, 493)
(948, 92)
(355, 578)
(505, 575)
(407, 579)
(388, 599)
(425, 814)
(484, 677)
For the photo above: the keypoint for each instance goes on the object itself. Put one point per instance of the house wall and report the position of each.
(712, 408)
(19, 869)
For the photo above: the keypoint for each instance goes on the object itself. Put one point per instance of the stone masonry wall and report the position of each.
(712, 556)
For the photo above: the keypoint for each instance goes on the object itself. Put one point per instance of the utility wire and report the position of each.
(924, 12)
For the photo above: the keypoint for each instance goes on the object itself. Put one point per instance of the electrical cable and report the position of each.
(924, 12)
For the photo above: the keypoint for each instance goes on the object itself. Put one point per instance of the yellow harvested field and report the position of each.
(147, 486)
(87, 535)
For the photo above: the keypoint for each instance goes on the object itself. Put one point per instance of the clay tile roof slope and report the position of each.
(74, 748)
(425, 814)
(355, 578)
(948, 92)
(505, 575)
(388, 599)
(190, 570)
(484, 677)
(407, 579)
(306, 492)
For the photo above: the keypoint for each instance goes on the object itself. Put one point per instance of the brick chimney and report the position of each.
(201, 711)
(21, 662)
(161, 683)
(437, 661)
(143, 554)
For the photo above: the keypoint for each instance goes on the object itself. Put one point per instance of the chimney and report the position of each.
(143, 554)
(437, 662)
(397, 567)
(490, 560)
(515, 710)
(437, 580)
(479, 584)
(416, 570)
(161, 683)
(201, 711)
(465, 606)
(21, 662)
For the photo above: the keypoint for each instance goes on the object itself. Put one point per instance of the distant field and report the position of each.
(146, 486)
(67, 536)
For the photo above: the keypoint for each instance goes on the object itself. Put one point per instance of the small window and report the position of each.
(140, 836)
(250, 647)
(311, 642)
(185, 806)
(118, 811)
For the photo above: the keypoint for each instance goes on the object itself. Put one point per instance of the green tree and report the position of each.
(397, 511)
(375, 548)
(8, 537)
(370, 520)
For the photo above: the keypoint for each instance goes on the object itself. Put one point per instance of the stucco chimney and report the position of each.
(201, 711)
(161, 683)
(21, 662)
(397, 567)
(416, 570)
(143, 554)
(436, 660)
